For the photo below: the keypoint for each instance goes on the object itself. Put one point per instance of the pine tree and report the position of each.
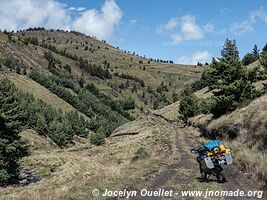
(41, 124)
(263, 59)
(12, 148)
(248, 59)
(230, 50)
(255, 52)
(189, 105)
(230, 79)
(174, 96)
(264, 49)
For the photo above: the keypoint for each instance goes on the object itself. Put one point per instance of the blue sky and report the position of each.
(185, 31)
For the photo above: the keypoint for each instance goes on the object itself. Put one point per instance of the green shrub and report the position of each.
(263, 59)
(12, 149)
(24, 111)
(231, 81)
(98, 139)
(189, 106)
(141, 153)
(4, 176)
(93, 104)
(248, 59)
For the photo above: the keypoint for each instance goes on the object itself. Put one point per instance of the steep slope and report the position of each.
(74, 72)
(27, 85)
(128, 70)
(245, 131)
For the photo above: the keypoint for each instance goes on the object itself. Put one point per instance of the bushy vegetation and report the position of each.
(189, 105)
(92, 69)
(141, 153)
(24, 111)
(251, 57)
(13, 64)
(230, 81)
(263, 57)
(12, 148)
(119, 106)
(32, 40)
(130, 77)
(98, 139)
(103, 119)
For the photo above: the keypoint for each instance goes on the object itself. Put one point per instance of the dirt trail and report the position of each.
(183, 173)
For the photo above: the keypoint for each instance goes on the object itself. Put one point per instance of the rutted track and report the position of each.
(183, 143)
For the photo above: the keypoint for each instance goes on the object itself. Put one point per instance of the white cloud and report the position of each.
(261, 14)
(194, 58)
(190, 30)
(246, 26)
(170, 25)
(176, 37)
(242, 27)
(80, 9)
(18, 14)
(209, 27)
(221, 31)
(21, 14)
(72, 8)
(99, 23)
(184, 28)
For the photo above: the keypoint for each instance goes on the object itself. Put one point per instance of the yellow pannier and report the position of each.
(209, 154)
(228, 150)
(222, 148)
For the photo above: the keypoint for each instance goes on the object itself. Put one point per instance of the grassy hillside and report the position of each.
(164, 79)
(68, 87)
(247, 126)
(27, 85)
(229, 103)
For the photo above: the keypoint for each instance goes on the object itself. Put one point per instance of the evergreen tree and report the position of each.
(23, 111)
(189, 105)
(175, 97)
(264, 49)
(263, 59)
(41, 124)
(12, 149)
(251, 57)
(231, 80)
(230, 50)
(248, 59)
(255, 52)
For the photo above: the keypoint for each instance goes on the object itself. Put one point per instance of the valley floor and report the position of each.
(150, 152)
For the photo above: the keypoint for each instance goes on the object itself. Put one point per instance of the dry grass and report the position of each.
(73, 173)
(36, 141)
(170, 112)
(3, 37)
(27, 85)
(178, 76)
(250, 160)
(249, 124)
(252, 117)
(204, 93)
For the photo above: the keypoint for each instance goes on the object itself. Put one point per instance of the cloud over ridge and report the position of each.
(21, 14)
(184, 28)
